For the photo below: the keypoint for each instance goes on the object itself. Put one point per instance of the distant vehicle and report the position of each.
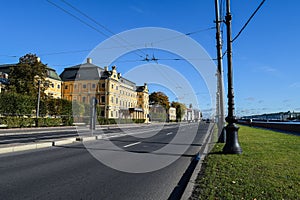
(207, 120)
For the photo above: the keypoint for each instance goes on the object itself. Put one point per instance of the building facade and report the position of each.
(55, 83)
(3, 81)
(172, 114)
(54, 88)
(117, 97)
(192, 115)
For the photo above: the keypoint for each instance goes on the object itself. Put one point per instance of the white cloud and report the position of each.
(136, 9)
(250, 99)
(295, 85)
(269, 69)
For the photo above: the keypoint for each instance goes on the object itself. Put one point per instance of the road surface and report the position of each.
(71, 172)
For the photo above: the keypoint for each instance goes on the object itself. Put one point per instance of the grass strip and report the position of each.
(268, 168)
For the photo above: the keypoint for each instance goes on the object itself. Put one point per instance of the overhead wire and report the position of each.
(245, 25)
(101, 25)
(82, 21)
(87, 24)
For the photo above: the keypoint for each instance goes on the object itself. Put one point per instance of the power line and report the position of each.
(248, 21)
(87, 24)
(102, 26)
(69, 13)
(113, 47)
(64, 52)
(82, 13)
(10, 56)
(225, 52)
(186, 34)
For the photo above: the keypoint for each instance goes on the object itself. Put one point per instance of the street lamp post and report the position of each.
(232, 145)
(220, 99)
(38, 104)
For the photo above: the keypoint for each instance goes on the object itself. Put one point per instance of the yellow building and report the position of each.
(118, 98)
(172, 114)
(3, 81)
(54, 88)
(80, 82)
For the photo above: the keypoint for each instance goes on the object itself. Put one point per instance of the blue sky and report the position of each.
(265, 57)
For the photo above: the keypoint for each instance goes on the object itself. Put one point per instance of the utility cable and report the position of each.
(248, 21)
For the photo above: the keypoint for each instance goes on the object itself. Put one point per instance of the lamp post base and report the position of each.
(232, 145)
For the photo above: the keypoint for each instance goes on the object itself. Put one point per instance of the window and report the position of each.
(117, 100)
(66, 87)
(102, 113)
(103, 99)
(112, 86)
(58, 86)
(112, 99)
(103, 85)
(112, 113)
(117, 87)
(83, 99)
(75, 86)
(84, 86)
(93, 85)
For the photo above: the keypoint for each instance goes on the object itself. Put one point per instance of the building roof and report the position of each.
(4, 81)
(52, 74)
(5, 68)
(140, 88)
(86, 71)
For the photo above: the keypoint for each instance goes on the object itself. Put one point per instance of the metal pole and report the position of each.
(232, 145)
(93, 114)
(220, 96)
(38, 104)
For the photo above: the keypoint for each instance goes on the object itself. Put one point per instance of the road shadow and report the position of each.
(183, 182)
(121, 150)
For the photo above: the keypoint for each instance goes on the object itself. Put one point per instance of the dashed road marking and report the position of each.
(129, 145)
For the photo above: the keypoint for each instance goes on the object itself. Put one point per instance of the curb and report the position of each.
(39, 145)
(191, 184)
(25, 147)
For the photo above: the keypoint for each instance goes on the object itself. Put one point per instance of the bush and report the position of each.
(49, 122)
(20, 122)
(67, 120)
(17, 122)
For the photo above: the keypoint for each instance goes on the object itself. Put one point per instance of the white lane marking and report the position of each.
(129, 145)
(169, 133)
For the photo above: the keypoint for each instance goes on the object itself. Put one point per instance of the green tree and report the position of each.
(180, 109)
(16, 104)
(25, 75)
(54, 106)
(159, 98)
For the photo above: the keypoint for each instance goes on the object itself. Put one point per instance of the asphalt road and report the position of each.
(15, 136)
(71, 172)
